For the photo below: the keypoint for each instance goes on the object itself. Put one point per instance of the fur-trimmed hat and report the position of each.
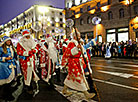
(26, 32)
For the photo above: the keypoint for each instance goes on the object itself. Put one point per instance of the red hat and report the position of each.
(48, 35)
(25, 32)
(66, 40)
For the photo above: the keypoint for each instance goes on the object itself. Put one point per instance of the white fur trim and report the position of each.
(26, 53)
(42, 65)
(9, 79)
(3, 59)
(65, 45)
(74, 51)
(26, 35)
(7, 40)
(94, 41)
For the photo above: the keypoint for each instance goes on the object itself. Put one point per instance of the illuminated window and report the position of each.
(110, 15)
(121, 13)
(81, 22)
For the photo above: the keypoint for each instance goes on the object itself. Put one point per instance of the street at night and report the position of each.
(116, 80)
(69, 51)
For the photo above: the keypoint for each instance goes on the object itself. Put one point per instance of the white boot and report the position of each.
(65, 92)
(88, 95)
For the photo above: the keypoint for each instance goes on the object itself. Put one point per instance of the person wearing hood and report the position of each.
(7, 67)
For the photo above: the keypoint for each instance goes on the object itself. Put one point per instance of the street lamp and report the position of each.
(96, 21)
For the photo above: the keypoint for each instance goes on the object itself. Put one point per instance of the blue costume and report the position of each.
(108, 53)
(7, 67)
(88, 45)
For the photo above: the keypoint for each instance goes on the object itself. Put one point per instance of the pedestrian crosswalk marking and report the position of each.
(111, 67)
(120, 85)
(129, 65)
(124, 75)
(115, 61)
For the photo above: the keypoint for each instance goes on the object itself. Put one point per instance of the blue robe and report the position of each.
(7, 67)
(108, 53)
(89, 44)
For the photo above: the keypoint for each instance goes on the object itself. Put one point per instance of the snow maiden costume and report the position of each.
(7, 66)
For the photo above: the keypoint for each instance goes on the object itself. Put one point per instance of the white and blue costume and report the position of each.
(88, 45)
(108, 53)
(7, 67)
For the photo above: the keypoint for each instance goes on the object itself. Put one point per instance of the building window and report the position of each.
(109, 2)
(81, 22)
(88, 20)
(61, 20)
(81, 10)
(121, 13)
(53, 18)
(52, 11)
(53, 25)
(61, 25)
(68, 5)
(121, 0)
(88, 8)
(110, 15)
(136, 9)
(60, 13)
(53, 30)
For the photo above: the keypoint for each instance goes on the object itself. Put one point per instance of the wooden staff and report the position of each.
(87, 66)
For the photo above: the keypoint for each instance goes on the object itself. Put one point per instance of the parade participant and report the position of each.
(75, 79)
(108, 53)
(52, 52)
(26, 49)
(65, 44)
(44, 61)
(7, 67)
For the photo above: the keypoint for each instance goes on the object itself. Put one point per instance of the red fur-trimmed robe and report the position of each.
(27, 62)
(45, 63)
(75, 63)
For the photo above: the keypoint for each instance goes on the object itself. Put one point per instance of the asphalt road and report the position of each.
(116, 79)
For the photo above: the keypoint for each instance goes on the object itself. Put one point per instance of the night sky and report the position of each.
(11, 8)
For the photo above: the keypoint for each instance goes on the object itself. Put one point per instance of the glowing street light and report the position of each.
(43, 9)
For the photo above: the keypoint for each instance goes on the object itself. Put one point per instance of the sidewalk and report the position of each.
(46, 94)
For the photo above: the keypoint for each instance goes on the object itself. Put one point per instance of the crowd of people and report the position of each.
(128, 49)
(40, 60)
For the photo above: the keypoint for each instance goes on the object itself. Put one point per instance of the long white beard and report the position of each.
(28, 44)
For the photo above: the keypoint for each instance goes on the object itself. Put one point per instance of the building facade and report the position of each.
(119, 19)
(50, 19)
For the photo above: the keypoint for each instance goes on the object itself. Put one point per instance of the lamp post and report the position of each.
(96, 21)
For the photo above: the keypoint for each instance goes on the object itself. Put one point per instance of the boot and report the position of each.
(88, 95)
(58, 74)
(65, 92)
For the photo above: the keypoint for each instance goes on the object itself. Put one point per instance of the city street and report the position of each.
(116, 80)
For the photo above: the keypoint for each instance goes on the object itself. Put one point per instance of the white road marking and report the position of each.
(129, 65)
(120, 61)
(111, 83)
(111, 67)
(124, 75)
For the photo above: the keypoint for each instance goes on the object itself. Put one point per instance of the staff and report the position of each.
(87, 65)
